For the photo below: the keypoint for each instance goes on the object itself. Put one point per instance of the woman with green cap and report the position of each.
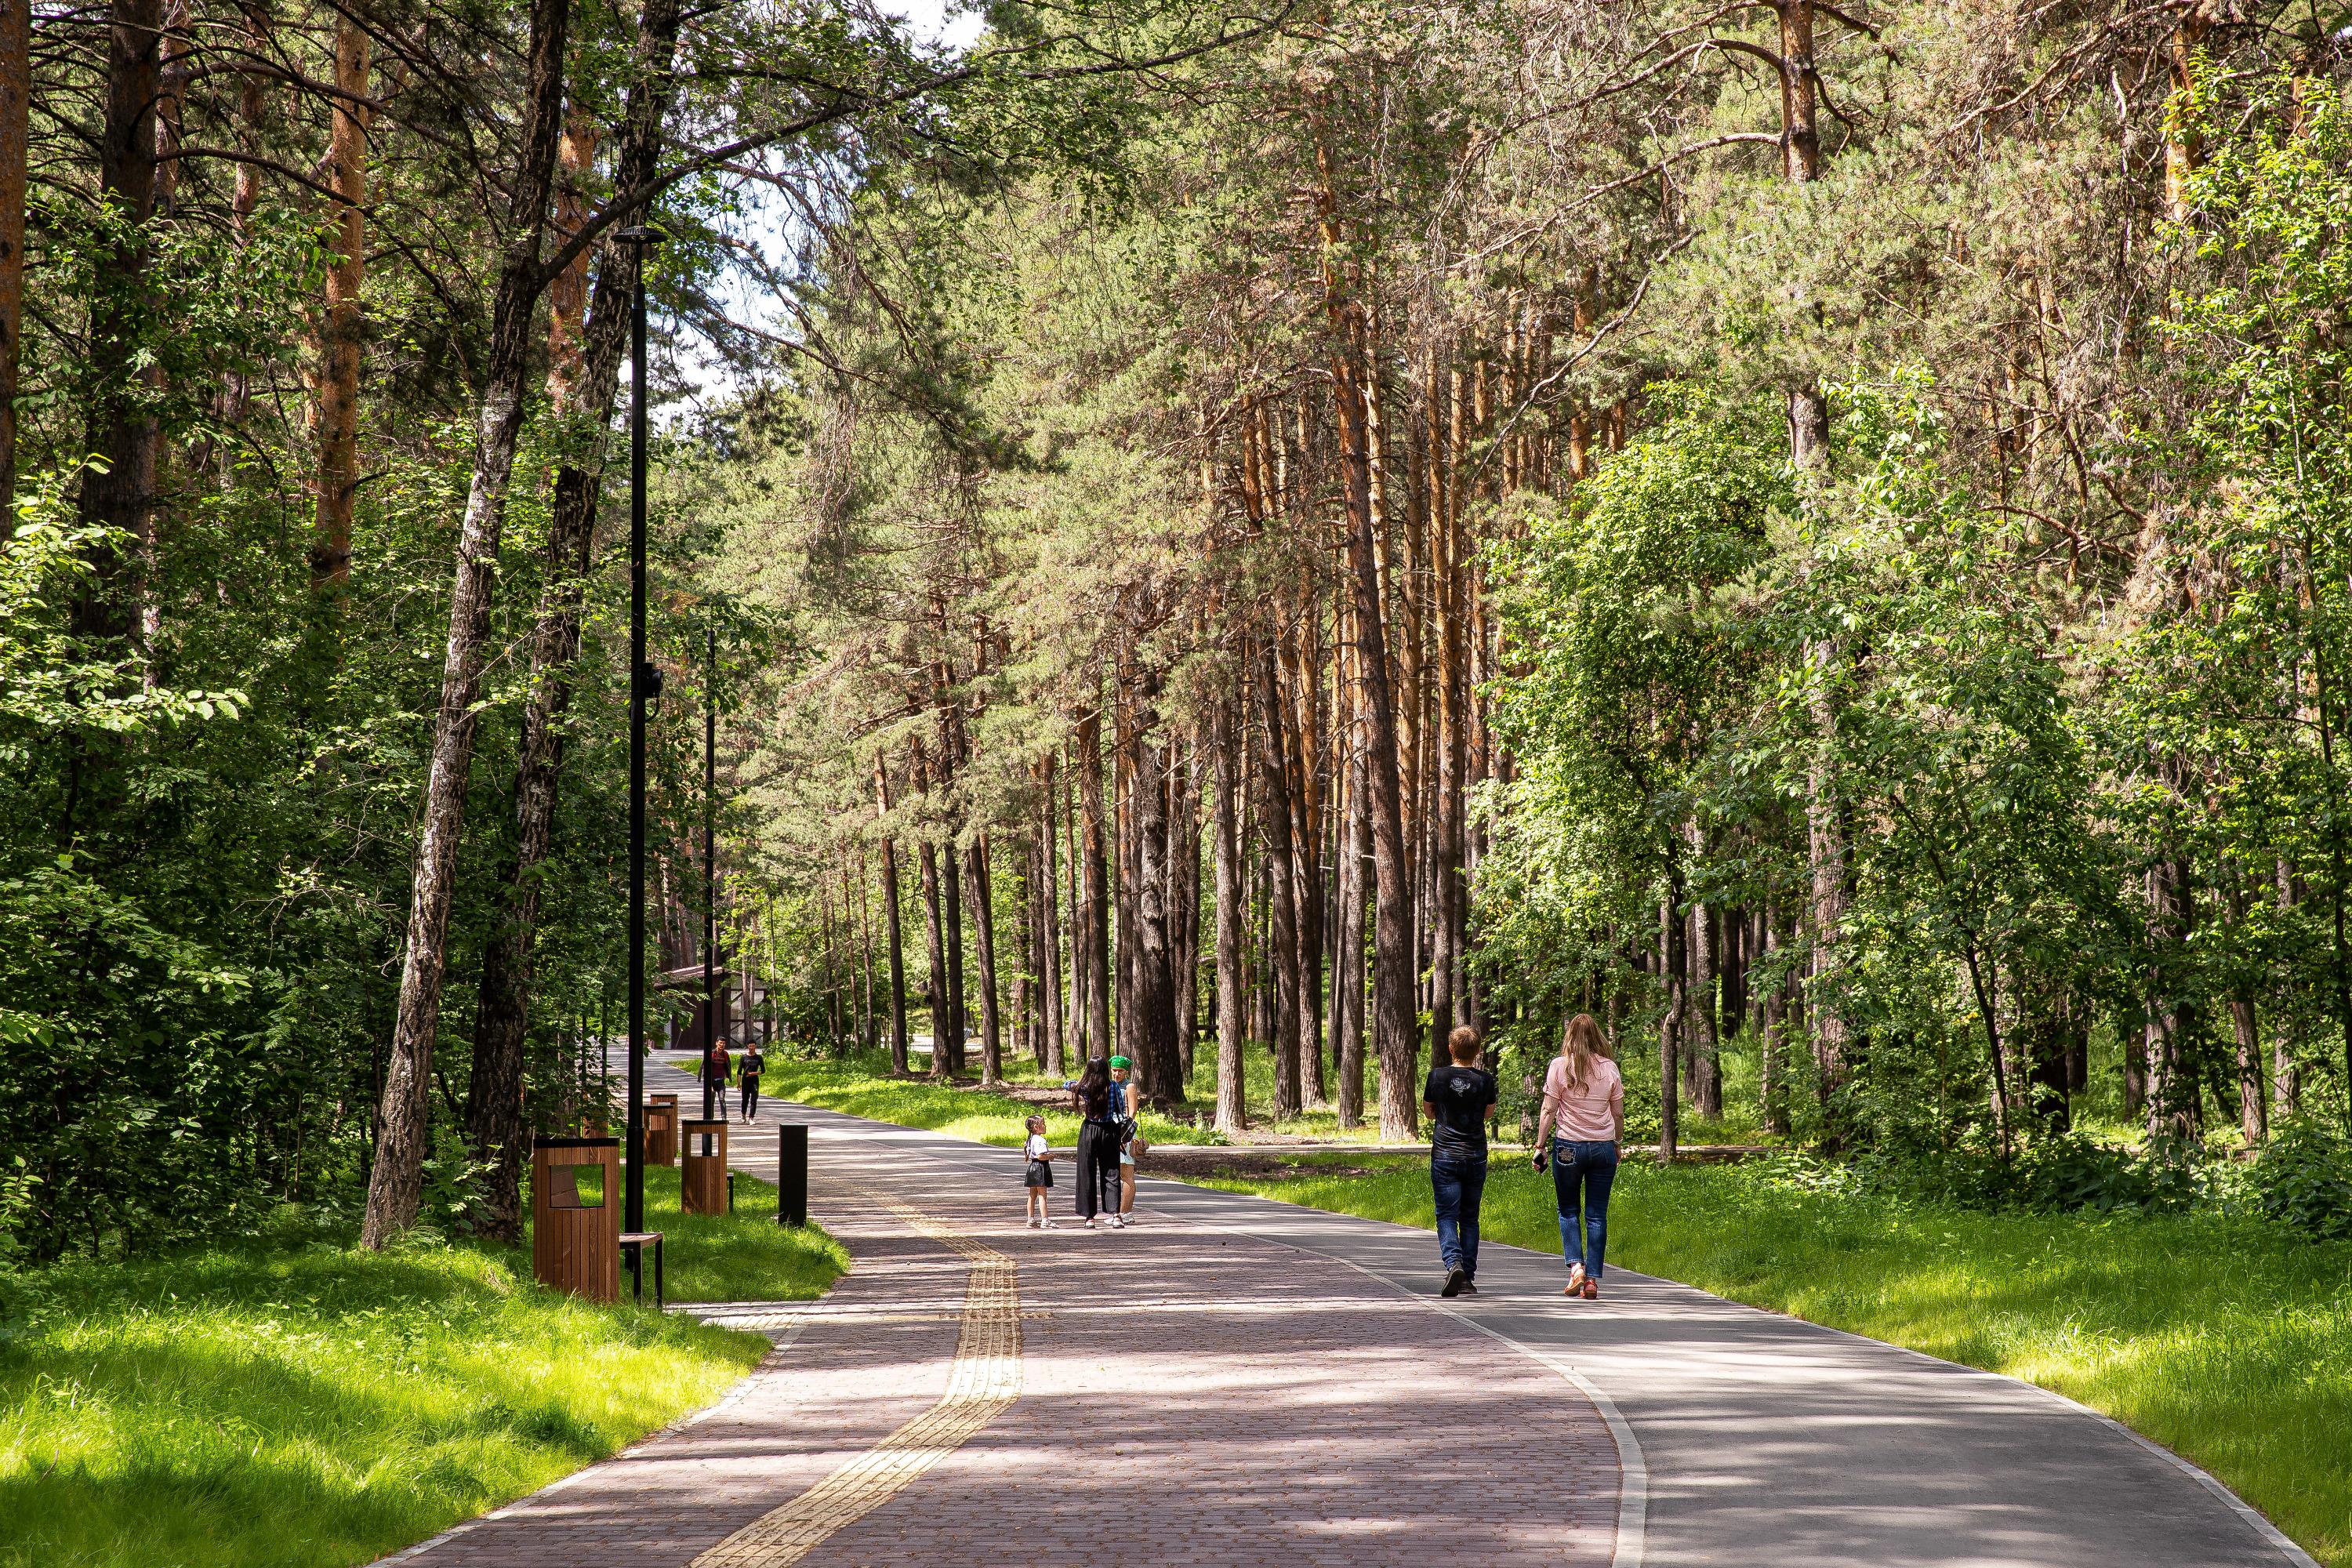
(1124, 1116)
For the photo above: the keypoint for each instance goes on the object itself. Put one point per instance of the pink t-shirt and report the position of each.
(1586, 1115)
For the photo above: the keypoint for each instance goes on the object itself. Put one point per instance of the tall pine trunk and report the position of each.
(395, 1184)
(494, 1110)
(935, 978)
(1274, 792)
(1396, 1031)
(119, 494)
(1096, 936)
(890, 927)
(341, 326)
(1672, 954)
(1232, 1111)
(15, 146)
(984, 935)
(1049, 918)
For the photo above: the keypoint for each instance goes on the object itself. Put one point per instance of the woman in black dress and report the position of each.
(1098, 1142)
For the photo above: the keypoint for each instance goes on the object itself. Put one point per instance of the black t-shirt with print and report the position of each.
(1459, 1098)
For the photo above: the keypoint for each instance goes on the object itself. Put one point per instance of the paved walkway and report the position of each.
(1240, 1381)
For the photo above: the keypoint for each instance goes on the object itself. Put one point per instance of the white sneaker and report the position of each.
(1047, 1224)
(1118, 1222)
(1033, 1222)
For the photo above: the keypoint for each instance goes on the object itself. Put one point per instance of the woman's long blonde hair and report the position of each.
(1579, 1044)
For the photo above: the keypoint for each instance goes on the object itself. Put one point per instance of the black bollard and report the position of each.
(792, 1174)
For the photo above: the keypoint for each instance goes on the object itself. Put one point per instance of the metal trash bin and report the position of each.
(661, 1130)
(575, 1216)
(791, 1174)
(703, 1182)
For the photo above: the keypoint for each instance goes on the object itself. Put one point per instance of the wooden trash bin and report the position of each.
(661, 1130)
(704, 1180)
(575, 1216)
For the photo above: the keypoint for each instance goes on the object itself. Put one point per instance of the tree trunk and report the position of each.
(2172, 1086)
(1274, 793)
(1096, 935)
(395, 1184)
(502, 1019)
(121, 494)
(2286, 1097)
(1347, 960)
(983, 930)
(1051, 958)
(1702, 1042)
(340, 327)
(891, 927)
(1184, 911)
(1233, 1113)
(1157, 1074)
(1772, 1092)
(1672, 957)
(16, 146)
(935, 980)
(1307, 882)
(947, 1051)
(1396, 1032)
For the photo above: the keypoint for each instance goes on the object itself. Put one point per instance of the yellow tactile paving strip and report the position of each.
(985, 1382)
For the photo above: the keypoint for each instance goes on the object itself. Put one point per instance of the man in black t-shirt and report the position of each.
(1460, 1101)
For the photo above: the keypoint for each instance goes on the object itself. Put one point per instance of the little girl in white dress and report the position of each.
(1039, 1175)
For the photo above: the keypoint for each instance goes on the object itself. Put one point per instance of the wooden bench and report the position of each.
(633, 1242)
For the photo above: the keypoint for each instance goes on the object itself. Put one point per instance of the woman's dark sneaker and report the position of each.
(1469, 1287)
(1454, 1281)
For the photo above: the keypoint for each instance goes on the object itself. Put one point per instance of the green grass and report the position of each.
(301, 1402)
(2229, 1341)
(1740, 1122)
(860, 1084)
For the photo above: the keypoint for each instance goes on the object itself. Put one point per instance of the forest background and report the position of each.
(1821, 536)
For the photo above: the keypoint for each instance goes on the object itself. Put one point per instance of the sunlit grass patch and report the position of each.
(2227, 1340)
(307, 1403)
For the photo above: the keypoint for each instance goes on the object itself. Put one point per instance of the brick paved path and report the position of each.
(1239, 1381)
(1185, 1398)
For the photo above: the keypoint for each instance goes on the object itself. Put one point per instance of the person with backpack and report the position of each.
(747, 1073)
(1584, 1098)
(1460, 1100)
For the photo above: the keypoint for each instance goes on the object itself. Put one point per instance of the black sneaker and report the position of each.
(1469, 1287)
(1455, 1282)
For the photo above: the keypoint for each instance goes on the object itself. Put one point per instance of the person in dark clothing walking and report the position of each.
(747, 1073)
(1459, 1100)
(715, 1072)
(1098, 1142)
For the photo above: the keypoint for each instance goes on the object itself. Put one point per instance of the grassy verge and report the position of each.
(301, 1402)
(860, 1084)
(2228, 1341)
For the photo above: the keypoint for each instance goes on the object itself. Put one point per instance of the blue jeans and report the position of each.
(1592, 1167)
(1457, 1185)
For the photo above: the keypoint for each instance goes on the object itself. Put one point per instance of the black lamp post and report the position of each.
(644, 685)
(710, 866)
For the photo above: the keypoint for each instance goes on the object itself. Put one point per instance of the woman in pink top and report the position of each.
(1584, 1098)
